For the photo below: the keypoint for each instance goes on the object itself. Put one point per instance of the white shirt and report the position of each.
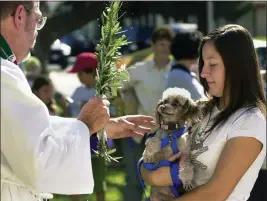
(180, 78)
(149, 83)
(206, 148)
(39, 153)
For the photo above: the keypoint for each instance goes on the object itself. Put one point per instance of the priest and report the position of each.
(41, 154)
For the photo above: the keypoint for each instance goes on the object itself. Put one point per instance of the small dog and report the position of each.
(174, 111)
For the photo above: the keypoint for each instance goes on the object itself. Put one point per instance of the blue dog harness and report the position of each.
(174, 171)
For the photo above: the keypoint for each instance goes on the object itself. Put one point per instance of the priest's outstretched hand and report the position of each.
(129, 126)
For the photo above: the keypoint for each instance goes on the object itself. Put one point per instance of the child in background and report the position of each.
(33, 70)
(42, 87)
(85, 67)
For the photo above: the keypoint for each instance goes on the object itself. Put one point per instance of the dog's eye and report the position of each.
(176, 103)
(161, 102)
(165, 101)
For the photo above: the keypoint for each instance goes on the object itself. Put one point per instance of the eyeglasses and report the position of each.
(41, 20)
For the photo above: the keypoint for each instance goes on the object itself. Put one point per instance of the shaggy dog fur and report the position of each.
(175, 110)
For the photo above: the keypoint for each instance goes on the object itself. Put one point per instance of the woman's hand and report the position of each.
(161, 176)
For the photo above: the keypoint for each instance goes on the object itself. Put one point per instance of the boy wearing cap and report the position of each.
(85, 67)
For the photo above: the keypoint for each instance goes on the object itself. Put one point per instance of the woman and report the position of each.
(229, 145)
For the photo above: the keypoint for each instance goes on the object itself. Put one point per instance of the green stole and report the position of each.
(5, 51)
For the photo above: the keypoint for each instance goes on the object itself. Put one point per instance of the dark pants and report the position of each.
(259, 192)
(132, 152)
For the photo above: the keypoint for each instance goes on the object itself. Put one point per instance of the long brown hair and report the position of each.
(243, 83)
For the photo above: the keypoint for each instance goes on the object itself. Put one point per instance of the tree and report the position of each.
(71, 15)
(230, 10)
(68, 17)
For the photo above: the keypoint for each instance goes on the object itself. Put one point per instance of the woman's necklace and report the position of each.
(200, 135)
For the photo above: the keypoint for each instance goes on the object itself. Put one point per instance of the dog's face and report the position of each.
(172, 108)
(176, 107)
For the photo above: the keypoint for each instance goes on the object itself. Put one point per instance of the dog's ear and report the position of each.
(204, 105)
(157, 114)
(192, 113)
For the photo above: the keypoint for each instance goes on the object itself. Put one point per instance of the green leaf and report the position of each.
(116, 28)
(109, 78)
(111, 151)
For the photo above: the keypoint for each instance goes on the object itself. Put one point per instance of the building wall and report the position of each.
(261, 22)
(255, 22)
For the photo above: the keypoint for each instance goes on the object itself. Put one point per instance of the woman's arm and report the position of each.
(161, 176)
(237, 156)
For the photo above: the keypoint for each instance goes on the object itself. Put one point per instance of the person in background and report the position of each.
(85, 66)
(141, 94)
(43, 88)
(33, 69)
(148, 78)
(185, 51)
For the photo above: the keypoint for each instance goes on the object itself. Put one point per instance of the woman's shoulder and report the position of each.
(248, 122)
(248, 114)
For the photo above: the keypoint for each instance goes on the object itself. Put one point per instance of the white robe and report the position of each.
(39, 153)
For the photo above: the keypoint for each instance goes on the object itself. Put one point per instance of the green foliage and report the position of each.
(263, 38)
(108, 77)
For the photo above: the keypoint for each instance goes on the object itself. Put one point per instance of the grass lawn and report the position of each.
(261, 38)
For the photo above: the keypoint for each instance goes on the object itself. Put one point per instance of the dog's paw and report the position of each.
(186, 174)
(153, 145)
(188, 186)
(159, 156)
(148, 157)
(151, 159)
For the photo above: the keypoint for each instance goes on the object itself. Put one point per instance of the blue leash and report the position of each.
(174, 168)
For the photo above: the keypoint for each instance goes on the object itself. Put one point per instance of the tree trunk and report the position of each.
(64, 22)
